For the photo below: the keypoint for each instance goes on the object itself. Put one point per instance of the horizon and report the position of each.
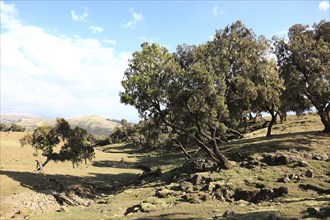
(66, 59)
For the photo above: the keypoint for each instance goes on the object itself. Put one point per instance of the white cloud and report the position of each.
(108, 41)
(82, 17)
(136, 17)
(96, 29)
(57, 75)
(216, 11)
(8, 12)
(324, 5)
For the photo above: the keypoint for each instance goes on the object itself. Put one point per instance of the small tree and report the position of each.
(77, 143)
(3, 127)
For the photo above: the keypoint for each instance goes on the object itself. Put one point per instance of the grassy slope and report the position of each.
(301, 133)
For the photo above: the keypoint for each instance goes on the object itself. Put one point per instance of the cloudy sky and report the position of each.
(67, 58)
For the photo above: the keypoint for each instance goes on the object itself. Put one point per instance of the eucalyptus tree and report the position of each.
(304, 59)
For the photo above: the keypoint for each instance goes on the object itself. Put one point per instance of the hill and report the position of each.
(94, 124)
(295, 159)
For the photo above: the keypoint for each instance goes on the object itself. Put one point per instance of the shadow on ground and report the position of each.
(298, 140)
(39, 183)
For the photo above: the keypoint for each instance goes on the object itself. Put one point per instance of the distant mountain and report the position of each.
(94, 124)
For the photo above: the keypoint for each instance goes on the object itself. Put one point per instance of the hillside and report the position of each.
(109, 187)
(94, 124)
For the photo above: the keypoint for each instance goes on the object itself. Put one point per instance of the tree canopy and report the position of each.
(304, 60)
(202, 92)
(76, 145)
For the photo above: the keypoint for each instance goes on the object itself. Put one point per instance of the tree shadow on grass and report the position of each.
(38, 183)
(169, 216)
(127, 148)
(258, 215)
(289, 141)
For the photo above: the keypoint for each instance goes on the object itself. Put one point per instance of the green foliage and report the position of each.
(304, 60)
(203, 91)
(76, 144)
(3, 127)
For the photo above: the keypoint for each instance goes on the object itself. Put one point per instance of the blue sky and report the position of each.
(67, 58)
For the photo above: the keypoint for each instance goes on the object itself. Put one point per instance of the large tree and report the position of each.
(75, 145)
(304, 59)
(202, 91)
(189, 99)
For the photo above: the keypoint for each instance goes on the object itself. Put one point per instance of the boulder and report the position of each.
(228, 213)
(186, 186)
(246, 195)
(309, 173)
(199, 165)
(263, 195)
(280, 158)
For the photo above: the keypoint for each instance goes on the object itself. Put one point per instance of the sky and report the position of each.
(67, 58)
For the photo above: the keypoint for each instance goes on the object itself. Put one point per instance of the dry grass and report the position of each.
(301, 133)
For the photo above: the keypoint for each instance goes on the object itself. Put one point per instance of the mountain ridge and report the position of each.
(94, 124)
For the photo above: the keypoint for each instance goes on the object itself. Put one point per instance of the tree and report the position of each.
(76, 144)
(304, 60)
(269, 86)
(186, 98)
(3, 127)
(202, 92)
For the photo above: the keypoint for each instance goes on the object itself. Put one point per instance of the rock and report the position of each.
(199, 178)
(283, 180)
(309, 173)
(132, 209)
(280, 158)
(281, 191)
(186, 185)
(164, 193)
(228, 214)
(211, 186)
(260, 185)
(205, 196)
(320, 157)
(302, 164)
(228, 193)
(218, 194)
(263, 195)
(312, 211)
(191, 198)
(199, 165)
(244, 195)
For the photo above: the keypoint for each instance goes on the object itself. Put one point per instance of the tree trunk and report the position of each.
(185, 152)
(215, 155)
(271, 123)
(45, 163)
(282, 116)
(325, 118)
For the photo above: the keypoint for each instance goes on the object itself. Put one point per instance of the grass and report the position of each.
(301, 133)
